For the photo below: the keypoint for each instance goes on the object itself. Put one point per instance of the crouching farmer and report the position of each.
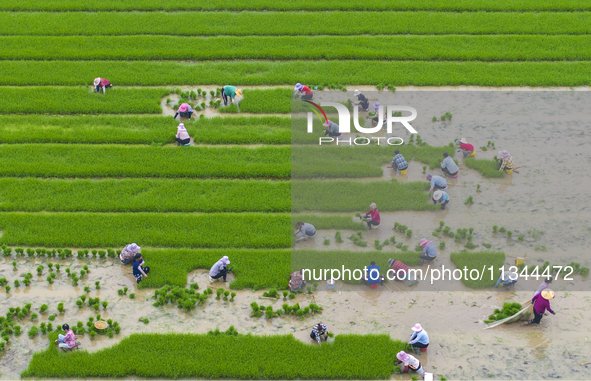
(128, 253)
(140, 272)
(410, 363)
(67, 341)
(319, 332)
(219, 269)
(296, 281)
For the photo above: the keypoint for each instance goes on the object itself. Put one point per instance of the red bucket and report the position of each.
(374, 286)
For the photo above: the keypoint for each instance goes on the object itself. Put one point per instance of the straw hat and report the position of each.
(239, 92)
(548, 294)
(97, 81)
(437, 195)
(463, 140)
(327, 123)
(417, 328)
(101, 324)
(356, 92)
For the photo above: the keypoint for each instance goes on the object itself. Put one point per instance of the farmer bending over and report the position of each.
(305, 230)
(429, 251)
(182, 136)
(319, 332)
(505, 162)
(303, 92)
(128, 253)
(361, 100)
(410, 363)
(372, 217)
(437, 182)
(400, 269)
(467, 148)
(508, 278)
(399, 161)
(440, 197)
(69, 340)
(219, 269)
(231, 92)
(449, 166)
(140, 272)
(185, 110)
(296, 281)
(544, 285)
(372, 275)
(101, 83)
(332, 130)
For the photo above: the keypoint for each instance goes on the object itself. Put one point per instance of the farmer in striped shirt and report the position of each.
(505, 162)
(398, 161)
(319, 332)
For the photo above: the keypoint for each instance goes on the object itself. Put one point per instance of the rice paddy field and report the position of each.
(83, 174)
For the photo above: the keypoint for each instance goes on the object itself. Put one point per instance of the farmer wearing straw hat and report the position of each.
(437, 182)
(541, 303)
(372, 217)
(128, 253)
(219, 269)
(441, 197)
(304, 92)
(398, 161)
(505, 161)
(410, 363)
(182, 136)
(185, 110)
(361, 100)
(467, 148)
(449, 166)
(231, 92)
(429, 251)
(419, 339)
(332, 130)
(101, 83)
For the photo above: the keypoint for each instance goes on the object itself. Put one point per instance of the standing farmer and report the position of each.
(449, 166)
(230, 92)
(541, 303)
(101, 83)
(372, 217)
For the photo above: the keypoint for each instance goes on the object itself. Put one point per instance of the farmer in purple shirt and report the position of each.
(541, 303)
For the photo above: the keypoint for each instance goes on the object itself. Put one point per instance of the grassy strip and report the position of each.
(143, 195)
(449, 47)
(263, 101)
(339, 259)
(172, 356)
(418, 73)
(59, 100)
(215, 230)
(487, 167)
(353, 196)
(50, 160)
(478, 261)
(291, 23)
(109, 129)
(357, 161)
(284, 5)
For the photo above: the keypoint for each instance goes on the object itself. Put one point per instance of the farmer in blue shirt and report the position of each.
(449, 166)
(398, 161)
(429, 251)
(139, 272)
(361, 100)
(437, 182)
(440, 197)
(419, 339)
(372, 275)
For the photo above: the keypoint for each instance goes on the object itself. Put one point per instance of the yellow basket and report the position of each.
(518, 261)
(509, 171)
(473, 154)
(404, 172)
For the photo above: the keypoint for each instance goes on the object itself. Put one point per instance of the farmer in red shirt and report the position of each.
(304, 91)
(400, 269)
(467, 148)
(372, 217)
(101, 83)
(541, 303)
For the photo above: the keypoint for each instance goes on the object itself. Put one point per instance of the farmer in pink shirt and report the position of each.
(101, 83)
(541, 303)
(69, 340)
(372, 217)
(182, 136)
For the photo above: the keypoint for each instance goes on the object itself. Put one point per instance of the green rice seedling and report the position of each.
(495, 227)
(7, 289)
(409, 233)
(50, 266)
(87, 289)
(509, 234)
(442, 245)
(326, 242)
(471, 230)
(487, 245)
(57, 267)
(43, 327)
(131, 296)
(385, 243)
(469, 201)
(79, 303)
(49, 279)
(418, 248)
(392, 239)
(232, 296)
(43, 308)
(269, 313)
(97, 284)
(396, 367)
(105, 304)
(14, 265)
(502, 229)
(40, 270)
(470, 245)
(17, 330)
(144, 320)
(34, 316)
(60, 308)
(52, 317)
(520, 238)
(424, 169)
(484, 149)
(34, 331)
(338, 238)
(285, 293)
(16, 283)
(53, 275)
(219, 292)
(477, 187)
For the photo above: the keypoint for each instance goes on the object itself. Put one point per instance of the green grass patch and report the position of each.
(291, 23)
(400, 47)
(353, 196)
(79, 100)
(487, 167)
(116, 129)
(143, 195)
(263, 101)
(242, 73)
(56, 160)
(173, 355)
(284, 5)
(478, 261)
